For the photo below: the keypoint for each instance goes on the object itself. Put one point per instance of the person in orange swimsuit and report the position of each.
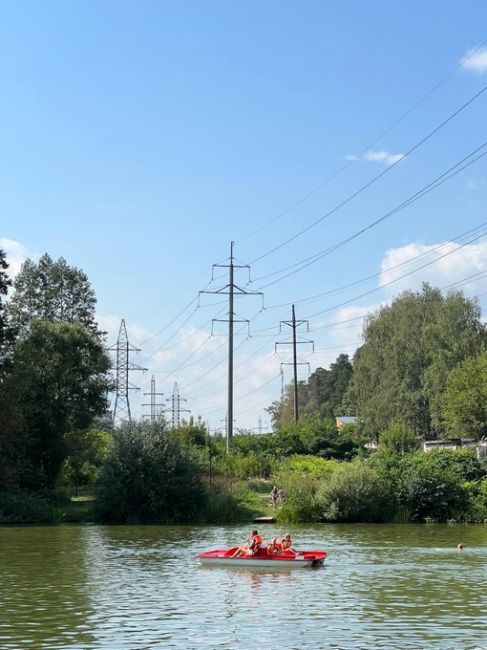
(287, 543)
(275, 547)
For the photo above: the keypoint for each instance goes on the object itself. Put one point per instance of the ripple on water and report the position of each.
(140, 587)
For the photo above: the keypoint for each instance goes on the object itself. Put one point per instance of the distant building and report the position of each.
(480, 446)
(343, 420)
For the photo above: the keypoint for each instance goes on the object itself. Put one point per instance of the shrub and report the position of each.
(300, 505)
(251, 465)
(226, 503)
(149, 476)
(476, 511)
(399, 438)
(22, 507)
(431, 484)
(354, 493)
(301, 465)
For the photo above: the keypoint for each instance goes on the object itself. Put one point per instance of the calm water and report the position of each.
(138, 587)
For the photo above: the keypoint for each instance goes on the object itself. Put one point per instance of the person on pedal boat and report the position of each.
(274, 547)
(254, 542)
(287, 543)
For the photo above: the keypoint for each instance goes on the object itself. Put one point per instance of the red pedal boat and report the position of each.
(225, 557)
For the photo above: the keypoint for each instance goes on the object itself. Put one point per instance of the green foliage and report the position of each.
(242, 466)
(149, 476)
(23, 507)
(320, 397)
(465, 399)
(59, 379)
(354, 493)
(400, 372)
(5, 283)
(476, 511)
(52, 291)
(313, 466)
(86, 451)
(398, 438)
(431, 484)
(300, 505)
(320, 438)
(230, 502)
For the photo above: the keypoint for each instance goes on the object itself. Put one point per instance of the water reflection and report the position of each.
(141, 587)
(43, 592)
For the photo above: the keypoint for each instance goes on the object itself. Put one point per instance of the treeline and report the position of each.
(54, 382)
(423, 363)
(156, 475)
(420, 372)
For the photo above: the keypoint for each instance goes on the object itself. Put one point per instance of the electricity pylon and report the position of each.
(121, 409)
(156, 409)
(176, 409)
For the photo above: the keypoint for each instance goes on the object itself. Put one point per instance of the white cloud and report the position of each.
(383, 157)
(16, 255)
(462, 262)
(476, 60)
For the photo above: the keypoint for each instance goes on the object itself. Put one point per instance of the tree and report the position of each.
(410, 346)
(399, 439)
(320, 396)
(59, 378)
(52, 291)
(86, 452)
(149, 477)
(5, 283)
(465, 399)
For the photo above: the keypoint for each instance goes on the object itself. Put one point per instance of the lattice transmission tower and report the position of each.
(123, 348)
(156, 408)
(176, 409)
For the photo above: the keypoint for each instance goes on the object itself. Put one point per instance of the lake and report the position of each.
(382, 586)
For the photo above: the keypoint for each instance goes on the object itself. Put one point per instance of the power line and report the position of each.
(375, 178)
(378, 274)
(367, 148)
(405, 275)
(432, 185)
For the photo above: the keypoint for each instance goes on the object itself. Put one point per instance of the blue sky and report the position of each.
(139, 139)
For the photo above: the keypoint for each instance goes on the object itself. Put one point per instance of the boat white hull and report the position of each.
(255, 562)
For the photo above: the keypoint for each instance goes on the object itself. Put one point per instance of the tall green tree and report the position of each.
(465, 399)
(319, 397)
(60, 382)
(52, 291)
(410, 346)
(5, 283)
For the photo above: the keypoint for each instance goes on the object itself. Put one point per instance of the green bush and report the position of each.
(431, 484)
(399, 438)
(354, 493)
(22, 507)
(237, 465)
(227, 503)
(149, 476)
(301, 465)
(300, 505)
(476, 511)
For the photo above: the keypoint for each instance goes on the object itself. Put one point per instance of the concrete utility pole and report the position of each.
(232, 290)
(294, 324)
(153, 415)
(121, 409)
